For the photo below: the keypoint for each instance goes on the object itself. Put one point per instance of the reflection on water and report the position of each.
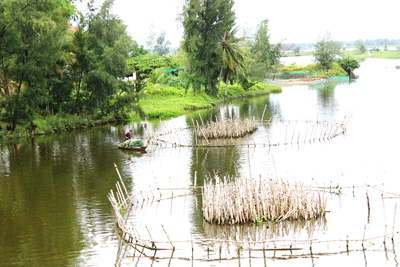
(289, 230)
(54, 209)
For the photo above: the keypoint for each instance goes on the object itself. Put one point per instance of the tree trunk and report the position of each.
(226, 87)
(77, 100)
(219, 80)
(15, 115)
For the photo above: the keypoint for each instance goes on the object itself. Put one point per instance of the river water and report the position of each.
(54, 209)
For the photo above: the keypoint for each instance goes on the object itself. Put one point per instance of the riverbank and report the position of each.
(166, 104)
(390, 54)
(163, 102)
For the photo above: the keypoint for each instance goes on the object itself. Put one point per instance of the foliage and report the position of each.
(160, 90)
(107, 46)
(137, 50)
(361, 48)
(294, 68)
(174, 105)
(162, 46)
(348, 64)
(374, 49)
(57, 123)
(233, 57)
(391, 54)
(326, 49)
(169, 102)
(151, 39)
(314, 69)
(132, 143)
(264, 57)
(49, 66)
(146, 64)
(296, 51)
(259, 221)
(204, 23)
(257, 89)
(31, 34)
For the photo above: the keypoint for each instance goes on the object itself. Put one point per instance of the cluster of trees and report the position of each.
(213, 51)
(327, 52)
(159, 45)
(48, 66)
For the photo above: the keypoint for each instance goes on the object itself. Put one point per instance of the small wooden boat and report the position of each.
(133, 148)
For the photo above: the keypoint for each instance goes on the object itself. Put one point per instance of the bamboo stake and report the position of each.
(173, 248)
(368, 204)
(394, 219)
(362, 243)
(262, 117)
(122, 182)
(384, 239)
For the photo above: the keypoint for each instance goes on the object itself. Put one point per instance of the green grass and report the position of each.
(155, 101)
(173, 106)
(165, 104)
(51, 124)
(380, 54)
(391, 54)
(311, 69)
(292, 54)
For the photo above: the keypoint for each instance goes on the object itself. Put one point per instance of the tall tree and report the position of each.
(264, 56)
(151, 39)
(137, 50)
(31, 36)
(233, 57)
(162, 45)
(361, 48)
(204, 23)
(101, 57)
(326, 50)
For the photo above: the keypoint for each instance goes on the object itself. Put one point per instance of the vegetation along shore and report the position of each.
(74, 70)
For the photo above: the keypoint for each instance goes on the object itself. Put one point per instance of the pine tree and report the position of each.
(204, 23)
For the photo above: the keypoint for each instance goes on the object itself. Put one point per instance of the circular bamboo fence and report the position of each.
(226, 133)
(224, 247)
(257, 200)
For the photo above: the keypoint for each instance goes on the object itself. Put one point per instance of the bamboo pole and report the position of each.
(122, 182)
(173, 248)
(394, 219)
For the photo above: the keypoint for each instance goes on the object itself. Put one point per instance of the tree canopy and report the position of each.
(47, 64)
(326, 50)
(31, 34)
(264, 56)
(204, 23)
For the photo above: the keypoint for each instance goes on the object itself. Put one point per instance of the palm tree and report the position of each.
(233, 57)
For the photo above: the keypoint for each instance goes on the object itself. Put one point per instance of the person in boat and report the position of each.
(128, 135)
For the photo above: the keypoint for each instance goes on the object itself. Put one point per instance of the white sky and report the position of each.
(291, 20)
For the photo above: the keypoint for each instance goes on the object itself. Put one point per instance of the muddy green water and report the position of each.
(54, 209)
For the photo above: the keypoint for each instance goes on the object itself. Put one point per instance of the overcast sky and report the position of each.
(290, 20)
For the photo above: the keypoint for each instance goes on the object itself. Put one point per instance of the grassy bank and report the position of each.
(303, 53)
(168, 102)
(390, 54)
(158, 101)
(311, 69)
(52, 124)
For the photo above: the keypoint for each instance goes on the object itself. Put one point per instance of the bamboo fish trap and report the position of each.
(244, 200)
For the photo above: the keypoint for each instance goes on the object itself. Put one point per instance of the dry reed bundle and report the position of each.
(244, 200)
(233, 128)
